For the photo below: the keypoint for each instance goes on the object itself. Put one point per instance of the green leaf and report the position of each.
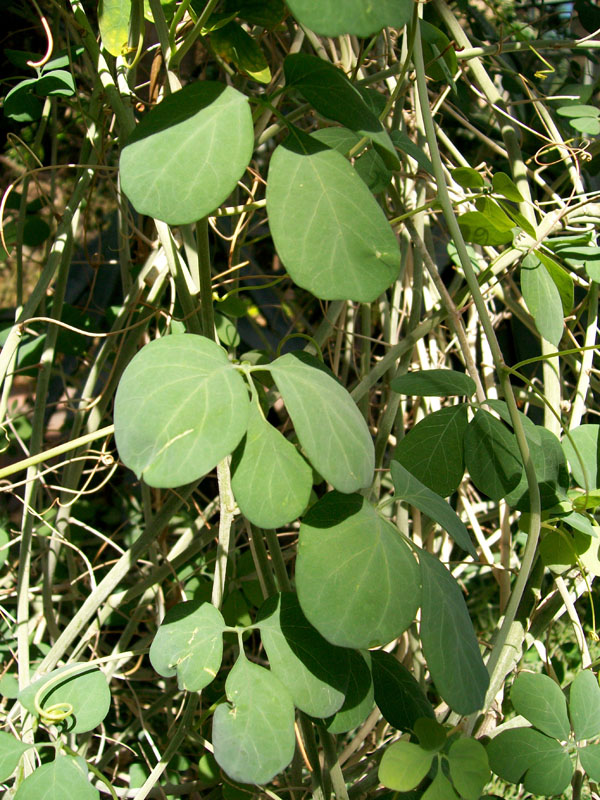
(405, 144)
(432, 451)
(589, 125)
(550, 468)
(412, 491)
(479, 229)
(270, 479)
(438, 52)
(330, 93)
(314, 671)
(357, 17)
(449, 641)
(189, 644)
(492, 456)
(469, 767)
(113, 21)
(440, 789)
(233, 44)
(494, 213)
(369, 164)
(432, 735)
(330, 233)
(253, 737)
(557, 551)
(404, 765)
(542, 298)
(85, 690)
(562, 280)
(180, 408)
(578, 110)
(62, 779)
(397, 692)
(11, 750)
(20, 105)
(204, 124)
(540, 700)
(266, 13)
(58, 83)
(226, 331)
(329, 425)
(357, 580)
(359, 699)
(434, 383)
(586, 256)
(590, 760)
(582, 450)
(4, 541)
(504, 185)
(526, 755)
(467, 177)
(584, 705)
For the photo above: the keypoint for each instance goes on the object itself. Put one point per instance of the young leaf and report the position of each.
(11, 750)
(584, 705)
(359, 698)
(314, 671)
(469, 767)
(329, 231)
(582, 450)
(439, 789)
(412, 491)
(85, 690)
(253, 736)
(329, 425)
(526, 755)
(357, 580)
(330, 92)
(432, 735)
(270, 479)
(492, 456)
(542, 298)
(113, 21)
(434, 383)
(62, 779)
(432, 451)
(233, 44)
(357, 17)
(404, 765)
(505, 186)
(180, 408)
(468, 178)
(397, 692)
(203, 124)
(448, 639)
(189, 644)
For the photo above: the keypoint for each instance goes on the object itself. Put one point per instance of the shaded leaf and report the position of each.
(469, 767)
(359, 698)
(526, 755)
(62, 779)
(434, 383)
(562, 280)
(467, 177)
(358, 17)
(584, 705)
(492, 456)
(405, 144)
(397, 692)
(233, 44)
(11, 750)
(540, 700)
(590, 760)
(478, 229)
(369, 164)
(440, 789)
(582, 450)
(542, 298)
(550, 469)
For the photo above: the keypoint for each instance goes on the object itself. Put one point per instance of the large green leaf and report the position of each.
(540, 700)
(314, 671)
(329, 425)
(492, 456)
(63, 779)
(330, 92)
(582, 450)
(189, 644)
(113, 21)
(543, 299)
(397, 692)
(432, 451)
(85, 690)
(181, 407)
(168, 168)
(434, 383)
(449, 642)
(526, 755)
(412, 491)
(404, 765)
(469, 767)
(330, 233)
(359, 699)
(270, 479)
(357, 580)
(584, 705)
(253, 737)
(358, 17)
(11, 750)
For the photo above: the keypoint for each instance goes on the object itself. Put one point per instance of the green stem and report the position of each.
(207, 314)
(278, 561)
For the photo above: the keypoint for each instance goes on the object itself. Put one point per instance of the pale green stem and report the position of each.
(192, 35)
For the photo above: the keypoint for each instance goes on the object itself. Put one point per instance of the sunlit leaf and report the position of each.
(358, 17)
(404, 765)
(11, 750)
(524, 755)
(233, 44)
(542, 298)
(113, 21)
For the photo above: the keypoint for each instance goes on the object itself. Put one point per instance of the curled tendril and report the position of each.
(55, 713)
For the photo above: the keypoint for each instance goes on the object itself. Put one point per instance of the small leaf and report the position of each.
(189, 644)
(582, 450)
(357, 580)
(449, 641)
(270, 479)
(359, 698)
(20, 104)
(58, 83)
(589, 125)
(253, 737)
(542, 299)
(479, 229)
(405, 144)
(329, 425)
(62, 779)
(578, 110)
(180, 408)
(348, 249)
(440, 789)
(526, 755)
(492, 456)
(434, 383)
(86, 691)
(11, 750)
(590, 760)
(357, 17)
(504, 185)
(233, 44)
(432, 451)
(397, 692)
(432, 735)
(584, 705)
(315, 672)
(203, 124)
(226, 331)
(586, 256)
(557, 551)
(469, 767)
(404, 765)
(467, 177)
(113, 21)
(414, 492)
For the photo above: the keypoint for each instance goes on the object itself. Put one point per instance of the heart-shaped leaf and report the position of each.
(253, 737)
(189, 643)
(180, 408)
(357, 580)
